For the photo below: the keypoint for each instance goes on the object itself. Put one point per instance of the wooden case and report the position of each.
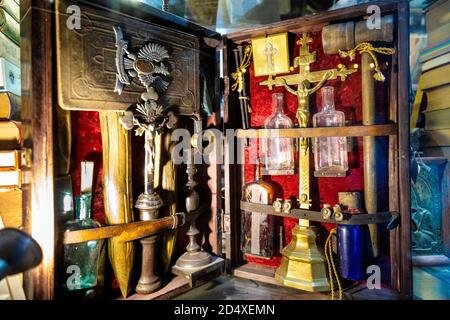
(46, 75)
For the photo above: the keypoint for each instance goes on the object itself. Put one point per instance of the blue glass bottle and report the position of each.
(352, 251)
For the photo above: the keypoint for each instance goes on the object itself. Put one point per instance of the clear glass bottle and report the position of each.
(81, 259)
(257, 229)
(279, 152)
(330, 153)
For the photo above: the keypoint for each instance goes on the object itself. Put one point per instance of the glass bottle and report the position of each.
(257, 237)
(330, 153)
(279, 151)
(81, 259)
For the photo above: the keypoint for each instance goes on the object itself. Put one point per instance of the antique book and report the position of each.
(436, 62)
(437, 138)
(438, 98)
(12, 7)
(11, 207)
(434, 51)
(9, 50)
(10, 179)
(9, 77)
(9, 160)
(438, 22)
(437, 15)
(436, 77)
(257, 233)
(9, 26)
(437, 119)
(437, 152)
(11, 288)
(439, 34)
(9, 106)
(10, 135)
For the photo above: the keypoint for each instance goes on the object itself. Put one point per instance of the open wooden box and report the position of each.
(66, 67)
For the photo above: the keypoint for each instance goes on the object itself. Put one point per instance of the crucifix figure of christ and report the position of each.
(303, 265)
(270, 51)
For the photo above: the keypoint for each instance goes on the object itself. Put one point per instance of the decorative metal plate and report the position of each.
(87, 68)
(426, 212)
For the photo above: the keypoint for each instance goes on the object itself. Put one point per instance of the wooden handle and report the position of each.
(123, 232)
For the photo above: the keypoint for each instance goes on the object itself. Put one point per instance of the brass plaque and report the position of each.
(86, 63)
(271, 54)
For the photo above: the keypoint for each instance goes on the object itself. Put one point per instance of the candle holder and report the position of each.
(194, 257)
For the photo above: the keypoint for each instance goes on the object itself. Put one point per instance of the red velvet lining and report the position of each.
(87, 145)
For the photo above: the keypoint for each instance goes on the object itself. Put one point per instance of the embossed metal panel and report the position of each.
(86, 60)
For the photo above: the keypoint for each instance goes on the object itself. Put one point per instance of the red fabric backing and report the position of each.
(87, 145)
(347, 99)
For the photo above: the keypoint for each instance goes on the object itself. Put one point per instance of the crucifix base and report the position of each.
(149, 281)
(303, 265)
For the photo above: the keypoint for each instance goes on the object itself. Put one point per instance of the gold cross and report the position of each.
(303, 61)
(302, 80)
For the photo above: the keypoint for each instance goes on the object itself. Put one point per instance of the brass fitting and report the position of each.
(338, 215)
(326, 211)
(287, 206)
(278, 204)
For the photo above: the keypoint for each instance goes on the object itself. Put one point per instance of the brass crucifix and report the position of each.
(303, 79)
(303, 265)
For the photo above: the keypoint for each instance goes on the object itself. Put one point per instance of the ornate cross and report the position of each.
(270, 51)
(302, 80)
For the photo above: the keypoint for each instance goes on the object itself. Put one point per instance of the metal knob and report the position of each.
(338, 215)
(326, 211)
(287, 206)
(278, 204)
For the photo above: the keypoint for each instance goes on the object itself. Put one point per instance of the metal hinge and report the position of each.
(26, 158)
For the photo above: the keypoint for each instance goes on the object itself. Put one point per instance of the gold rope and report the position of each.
(368, 48)
(331, 267)
(238, 75)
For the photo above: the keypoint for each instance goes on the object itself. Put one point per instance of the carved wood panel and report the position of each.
(86, 60)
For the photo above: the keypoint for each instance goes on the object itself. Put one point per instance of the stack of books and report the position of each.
(435, 80)
(10, 106)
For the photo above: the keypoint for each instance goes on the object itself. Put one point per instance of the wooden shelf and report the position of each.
(349, 219)
(124, 232)
(350, 131)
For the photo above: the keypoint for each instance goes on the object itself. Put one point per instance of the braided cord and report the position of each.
(366, 47)
(332, 271)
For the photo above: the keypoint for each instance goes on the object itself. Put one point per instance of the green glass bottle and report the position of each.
(81, 259)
